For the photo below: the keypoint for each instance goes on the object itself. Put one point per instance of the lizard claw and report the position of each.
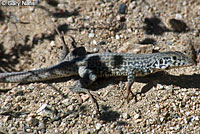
(78, 90)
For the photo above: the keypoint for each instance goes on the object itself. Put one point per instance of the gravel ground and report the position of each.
(166, 102)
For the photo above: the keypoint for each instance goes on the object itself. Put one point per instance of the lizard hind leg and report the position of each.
(131, 79)
(79, 88)
(87, 78)
(128, 91)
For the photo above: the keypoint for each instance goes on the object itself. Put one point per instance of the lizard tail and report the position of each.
(58, 71)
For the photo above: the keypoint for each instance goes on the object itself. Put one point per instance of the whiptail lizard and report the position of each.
(91, 66)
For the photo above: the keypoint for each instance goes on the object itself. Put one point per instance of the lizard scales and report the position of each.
(104, 65)
(91, 66)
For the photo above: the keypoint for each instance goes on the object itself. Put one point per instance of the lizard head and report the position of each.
(168, 60)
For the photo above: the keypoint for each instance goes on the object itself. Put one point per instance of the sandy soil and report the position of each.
(29, 41)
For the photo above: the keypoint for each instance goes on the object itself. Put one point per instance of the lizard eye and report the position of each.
(174, 58)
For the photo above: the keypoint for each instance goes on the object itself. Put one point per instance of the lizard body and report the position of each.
(91, 66)
(104, 65)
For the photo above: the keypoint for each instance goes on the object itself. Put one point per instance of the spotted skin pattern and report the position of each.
(91, 66)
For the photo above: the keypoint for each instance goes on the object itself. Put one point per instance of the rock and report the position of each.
(34, 122)
(95, 50)
(137, 116)
(42, 127)
(117, 37)
(94, 42)
(52, 44)
(162, 119)
(132, 5)
(66, 102)
(125, 115)
(70, 20)
(122, 8)
(91, 35)
(169, 43)
(120, 18)
(179, 16)
(85, 97)
(102, 43)
(98, 126)
(41, 108)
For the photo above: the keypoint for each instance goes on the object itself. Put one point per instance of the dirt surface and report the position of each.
(29, 41)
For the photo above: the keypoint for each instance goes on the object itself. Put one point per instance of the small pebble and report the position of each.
(71, 107)
(112, 125)
(31, 9)
(175, 116)
(184, 3)
(117, 37)
(3, 28)
(76, 132)
(179, 16)
(122, 9)
(120, 18)
(66, 102)
(136, 116)
(102, 43)
(98, 126)
(95, 50)
(84, 97)
(87, 17)
(132, 5)
(160, 86)
(196, 118)
(41, 126)
(187, 113)
(94, 42)
(70, 20)
(125, 115)
(52, 44)
(34, 122)
(138, 120)
(91, 35)
(41, 108)
(162, 119)
(169, 43)
(89, 120)
(168, 87)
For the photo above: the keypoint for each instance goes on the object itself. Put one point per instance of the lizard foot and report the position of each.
(77, 89)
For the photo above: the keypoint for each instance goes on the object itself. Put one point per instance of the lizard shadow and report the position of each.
(182, 81)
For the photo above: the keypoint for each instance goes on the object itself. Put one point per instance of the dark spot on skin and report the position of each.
(174, 58)
(165, 62)
(175, 63)
(161, 61)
